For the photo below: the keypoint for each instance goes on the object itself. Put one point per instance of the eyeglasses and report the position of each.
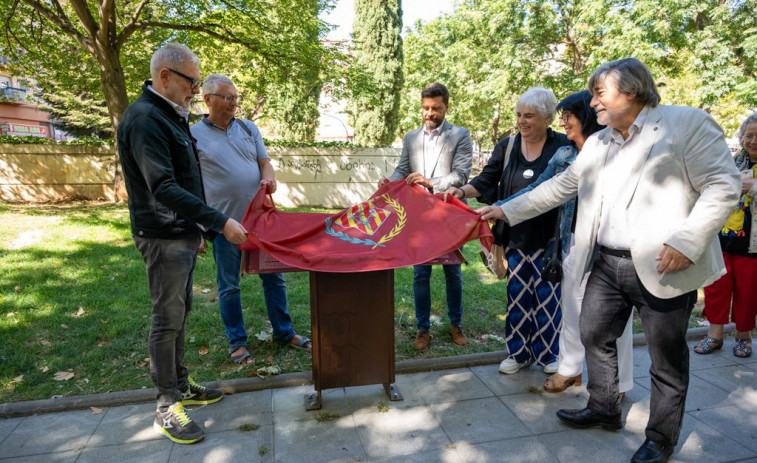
(193, 83)
(564, 117)
(227, 97)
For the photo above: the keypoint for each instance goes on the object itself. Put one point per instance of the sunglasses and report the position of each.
(193, 83)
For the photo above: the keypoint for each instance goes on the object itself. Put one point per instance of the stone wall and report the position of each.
(41, 173)
(327, 177)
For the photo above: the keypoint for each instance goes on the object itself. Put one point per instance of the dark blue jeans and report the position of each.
(613, 289)
(453, 276)
(170, 267)
(228, 259)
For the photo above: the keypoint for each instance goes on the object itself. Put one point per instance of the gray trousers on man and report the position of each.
(170, 267)
(613, 289)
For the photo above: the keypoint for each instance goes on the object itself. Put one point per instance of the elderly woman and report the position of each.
(533, 304)
(579, 120)
(738, 241)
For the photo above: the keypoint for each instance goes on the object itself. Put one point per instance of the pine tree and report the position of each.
(378, 55)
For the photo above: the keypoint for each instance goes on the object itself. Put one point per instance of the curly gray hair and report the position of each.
(542, 100)
(749, 120)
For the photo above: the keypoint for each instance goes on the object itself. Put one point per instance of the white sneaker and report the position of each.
(550, 368)
(510, 366)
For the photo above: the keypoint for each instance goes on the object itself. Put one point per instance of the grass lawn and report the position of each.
(74, 300)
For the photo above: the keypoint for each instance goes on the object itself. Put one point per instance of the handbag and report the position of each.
(496, 260)
(551, 264)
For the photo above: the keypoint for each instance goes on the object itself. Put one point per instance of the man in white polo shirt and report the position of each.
(234, 165)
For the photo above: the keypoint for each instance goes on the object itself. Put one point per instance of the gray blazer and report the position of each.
(684, 191)
(454, 163)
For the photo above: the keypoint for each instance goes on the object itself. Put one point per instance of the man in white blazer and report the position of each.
(437, 156)
(653, 189)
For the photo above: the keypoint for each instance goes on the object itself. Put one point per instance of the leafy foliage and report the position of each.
(488, 52)
(101, 50)
(378, 58)
(29, 140)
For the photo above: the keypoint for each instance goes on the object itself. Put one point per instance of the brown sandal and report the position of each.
(559, 383)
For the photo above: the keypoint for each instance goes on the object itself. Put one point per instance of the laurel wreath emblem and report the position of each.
(401, 220)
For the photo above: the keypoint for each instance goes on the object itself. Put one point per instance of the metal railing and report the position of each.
(12, 93)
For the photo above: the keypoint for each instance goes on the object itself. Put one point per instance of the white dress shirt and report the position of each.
(622, 156)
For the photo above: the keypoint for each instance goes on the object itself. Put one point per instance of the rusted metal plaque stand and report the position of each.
(352, 318)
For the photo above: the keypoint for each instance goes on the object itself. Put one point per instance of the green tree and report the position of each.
(293, 106)
(117, 37)
(489, 52)
(378, 56)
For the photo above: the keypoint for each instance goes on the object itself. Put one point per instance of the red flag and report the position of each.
(400, 225)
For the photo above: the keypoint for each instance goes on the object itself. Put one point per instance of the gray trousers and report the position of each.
(170, 267)
(613, 289)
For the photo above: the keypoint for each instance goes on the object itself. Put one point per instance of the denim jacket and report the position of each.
(563, 158)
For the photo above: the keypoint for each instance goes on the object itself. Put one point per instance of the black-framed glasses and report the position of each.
(228, 97)
(565, 116)
(193, 83)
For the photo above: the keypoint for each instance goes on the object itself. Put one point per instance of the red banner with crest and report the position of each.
(398, 226)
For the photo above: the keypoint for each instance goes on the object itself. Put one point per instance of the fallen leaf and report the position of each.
(45, 369)
(203, 350)
(17, 379)
(17, 289)
(96, 410)
(269, 359)
(145, 362)
(272, 370)
(64, 326)
(10, 314)
(79, 312)
(45, 342)
(263, 336)
(63, 375)
(205, 291)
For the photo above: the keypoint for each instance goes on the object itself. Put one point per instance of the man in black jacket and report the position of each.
(168, 216)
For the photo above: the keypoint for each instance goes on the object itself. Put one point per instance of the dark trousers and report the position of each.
(170, 267)
(613, 289)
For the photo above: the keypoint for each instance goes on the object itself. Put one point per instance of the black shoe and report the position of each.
(652, 452)
(586, 418)
(197, 394)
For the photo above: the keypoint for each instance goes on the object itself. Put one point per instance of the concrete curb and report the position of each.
(234, 386)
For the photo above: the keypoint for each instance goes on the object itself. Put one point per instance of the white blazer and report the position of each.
(684, 189)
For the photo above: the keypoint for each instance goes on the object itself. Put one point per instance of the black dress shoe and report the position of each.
(586, 418)
(652, 452)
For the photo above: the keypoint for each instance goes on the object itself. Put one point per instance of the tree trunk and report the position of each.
(114, 89)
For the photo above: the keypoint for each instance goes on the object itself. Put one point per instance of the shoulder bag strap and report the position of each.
(244, 126)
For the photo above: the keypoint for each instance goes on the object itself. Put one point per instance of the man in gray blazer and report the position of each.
(436, 156)
(654, 188)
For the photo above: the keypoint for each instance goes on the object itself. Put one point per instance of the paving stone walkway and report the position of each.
(462, 415)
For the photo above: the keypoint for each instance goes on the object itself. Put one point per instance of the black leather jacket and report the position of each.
(162, 172)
